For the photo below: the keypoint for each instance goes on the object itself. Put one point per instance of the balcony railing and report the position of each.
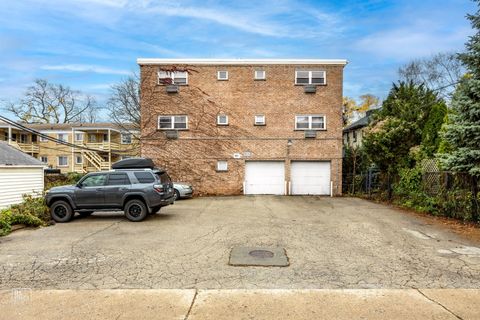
(29, 148)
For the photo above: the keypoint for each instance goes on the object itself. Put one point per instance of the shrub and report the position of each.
(31, 212)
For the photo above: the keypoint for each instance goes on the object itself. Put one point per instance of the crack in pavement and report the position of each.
(439, 304)
(191, 305)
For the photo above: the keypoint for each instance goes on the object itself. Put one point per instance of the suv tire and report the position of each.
(61, 211)
(135, 210)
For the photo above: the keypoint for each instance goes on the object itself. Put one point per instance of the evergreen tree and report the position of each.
(462, 133)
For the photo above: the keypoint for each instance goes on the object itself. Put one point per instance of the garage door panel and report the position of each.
(311, 177)
(264, 177)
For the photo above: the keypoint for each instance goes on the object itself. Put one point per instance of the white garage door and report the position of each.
(312, 177)
(264, 177)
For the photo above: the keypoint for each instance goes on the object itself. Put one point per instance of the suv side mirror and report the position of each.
(79, 185)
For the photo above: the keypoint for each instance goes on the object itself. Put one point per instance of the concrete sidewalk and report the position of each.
(369, 304)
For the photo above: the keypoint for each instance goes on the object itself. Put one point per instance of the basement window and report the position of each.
(310, 122)
(222, 165)
(259, 75)
(222, 120)
(222, 75)
(173, 77)
(260, 120)
(179, 122)
(303, 77)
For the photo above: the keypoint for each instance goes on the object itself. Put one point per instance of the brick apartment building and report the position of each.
(245, 126)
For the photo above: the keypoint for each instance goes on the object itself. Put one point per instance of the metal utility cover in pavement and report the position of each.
(258, 256)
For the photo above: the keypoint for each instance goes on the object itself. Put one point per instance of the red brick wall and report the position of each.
(192, 158)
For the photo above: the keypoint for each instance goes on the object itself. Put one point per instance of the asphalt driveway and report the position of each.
(330, 243)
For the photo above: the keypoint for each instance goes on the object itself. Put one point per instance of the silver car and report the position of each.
(182, 190)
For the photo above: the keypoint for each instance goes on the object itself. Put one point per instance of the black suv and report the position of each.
(136, 191)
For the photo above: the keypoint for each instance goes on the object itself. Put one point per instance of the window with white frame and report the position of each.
(78, 159)
(78, 136)
(42, 138)
(44, 159)
(62, 137)
(310, 122)
(172, 77)
(222, 119)
(259, 75)
(304, 77)
(62, 161)
(92, 137)
(222, 75)
(126, 138)
(222, 165)
(179, 122)
(259, 119)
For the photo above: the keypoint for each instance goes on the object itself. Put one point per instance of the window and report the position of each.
(354, 136)
(222, 165)
(173, 77)
(43, 138)
(23, 138)
(95, 180)
(126, 138)
(144, 177)
(92, 137)
(173, 122)
(44, 159)
(118, 179)
(62, 161)
(259, 75)
(310, 122)
(310, 77)
(105, 137)
(260, 120)
(62, 137)
(222, 75)
(222, 119)
(78, 159)
(78, 136)
(164, 177)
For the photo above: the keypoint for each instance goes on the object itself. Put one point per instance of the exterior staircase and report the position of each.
(95, 160)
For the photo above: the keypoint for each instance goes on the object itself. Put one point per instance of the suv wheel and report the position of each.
(135, 210)
(61, 211)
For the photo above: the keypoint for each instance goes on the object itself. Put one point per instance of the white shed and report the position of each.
(19, 174)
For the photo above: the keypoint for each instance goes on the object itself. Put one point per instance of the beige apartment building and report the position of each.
(95, 145)
(245, 126)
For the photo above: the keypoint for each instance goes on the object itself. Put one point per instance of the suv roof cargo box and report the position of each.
(134, 163)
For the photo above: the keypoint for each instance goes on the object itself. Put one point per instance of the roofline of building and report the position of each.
(156, 61)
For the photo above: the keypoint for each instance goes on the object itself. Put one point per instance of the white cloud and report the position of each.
(85, 68)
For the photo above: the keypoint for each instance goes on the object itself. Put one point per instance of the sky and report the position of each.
(90, 45)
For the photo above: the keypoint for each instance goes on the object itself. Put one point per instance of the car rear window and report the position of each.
(117, 179)
(164, 177)
(144, 177)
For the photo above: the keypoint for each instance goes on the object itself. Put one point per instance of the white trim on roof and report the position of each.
(154, 61)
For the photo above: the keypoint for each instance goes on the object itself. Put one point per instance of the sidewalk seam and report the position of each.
(191, 305)
(438, 303)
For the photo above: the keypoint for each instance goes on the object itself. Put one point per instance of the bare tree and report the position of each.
(441, 73)
(124, 104)
(44, 102)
